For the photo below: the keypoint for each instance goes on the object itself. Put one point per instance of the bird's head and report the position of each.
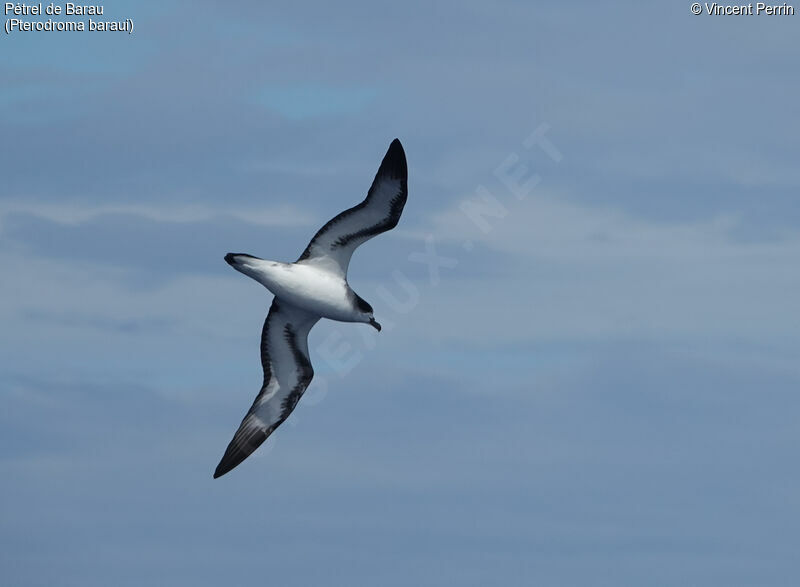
(366, 314)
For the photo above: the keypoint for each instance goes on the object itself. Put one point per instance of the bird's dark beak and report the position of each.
(375, 324)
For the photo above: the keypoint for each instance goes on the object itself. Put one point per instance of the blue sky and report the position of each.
(595, 383)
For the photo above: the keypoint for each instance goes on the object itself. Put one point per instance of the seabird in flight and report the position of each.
(313, 287)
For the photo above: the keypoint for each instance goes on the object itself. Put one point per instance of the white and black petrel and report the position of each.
(313, 287)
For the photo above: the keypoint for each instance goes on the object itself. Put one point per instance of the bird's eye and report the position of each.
(363, 305)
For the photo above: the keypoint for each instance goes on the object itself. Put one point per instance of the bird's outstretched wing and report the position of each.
(334, 243)
(287, 373)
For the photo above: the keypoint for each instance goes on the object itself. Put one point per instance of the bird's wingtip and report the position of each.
(394, 162)
(222, 468)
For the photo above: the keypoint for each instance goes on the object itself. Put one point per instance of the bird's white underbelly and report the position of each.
(309, 288)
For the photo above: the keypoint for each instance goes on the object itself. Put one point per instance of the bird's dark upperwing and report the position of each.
(287, 373)
(334, 243)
